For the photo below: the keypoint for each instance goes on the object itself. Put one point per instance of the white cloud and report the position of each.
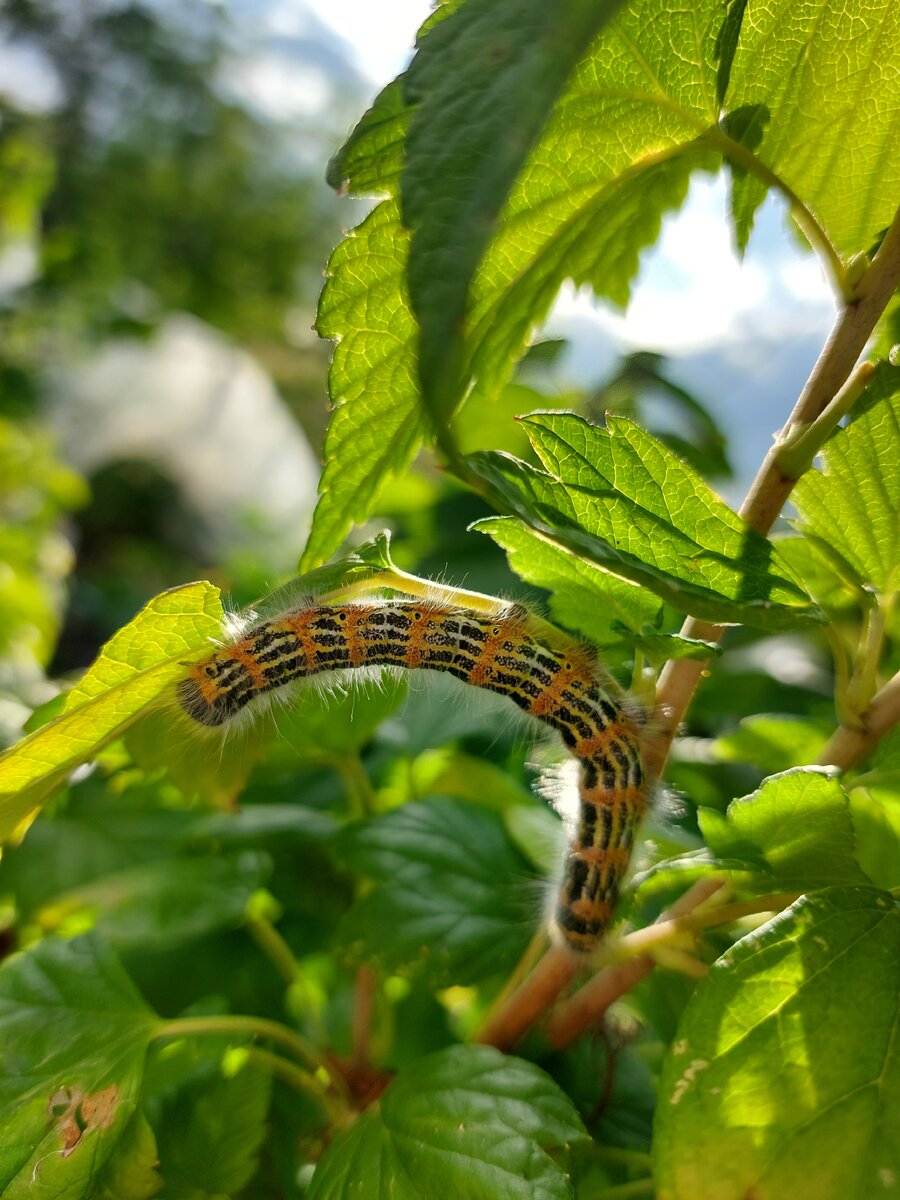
(693, 292)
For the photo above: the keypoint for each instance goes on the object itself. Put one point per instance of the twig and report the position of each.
(274, 947)
(363, 1009)
(511, 1022)
(847, 745)
(590, 1003)
(772, 486)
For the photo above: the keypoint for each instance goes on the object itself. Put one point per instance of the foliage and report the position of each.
(266, 965)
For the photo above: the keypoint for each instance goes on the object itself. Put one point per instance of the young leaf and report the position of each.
(133, 669)
(464, 1122)
(211, 1131)
(619, 497)
(73, 1036)
(796, 829)
(784, 1077)
(658, 648)
(482, 85)
(853, 504)
(451, 891)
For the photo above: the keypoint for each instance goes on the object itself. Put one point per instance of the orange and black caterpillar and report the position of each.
(507, 651)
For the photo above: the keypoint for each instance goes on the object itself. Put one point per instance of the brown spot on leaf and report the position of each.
(75, 1113)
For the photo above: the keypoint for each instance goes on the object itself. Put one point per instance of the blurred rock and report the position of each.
(207, 416)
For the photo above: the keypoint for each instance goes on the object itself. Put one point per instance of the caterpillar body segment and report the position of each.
(506, 651)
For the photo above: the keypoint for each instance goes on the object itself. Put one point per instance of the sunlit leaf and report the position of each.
(784, 1076)
(133, 669)
(796, 829)
(482, 86)
(853, 504)
(620, 498)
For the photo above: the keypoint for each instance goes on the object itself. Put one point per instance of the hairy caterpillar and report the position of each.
(506, 650)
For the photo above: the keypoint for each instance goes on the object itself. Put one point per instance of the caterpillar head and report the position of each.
(215, 689)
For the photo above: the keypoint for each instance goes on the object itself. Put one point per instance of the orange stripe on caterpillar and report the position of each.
(549, 677)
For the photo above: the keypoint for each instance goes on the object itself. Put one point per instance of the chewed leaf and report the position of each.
(132, 671)
(73, 1036)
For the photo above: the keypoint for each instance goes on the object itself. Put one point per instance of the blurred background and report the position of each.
(164, 225)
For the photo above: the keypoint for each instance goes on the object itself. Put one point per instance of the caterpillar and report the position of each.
(508, 651)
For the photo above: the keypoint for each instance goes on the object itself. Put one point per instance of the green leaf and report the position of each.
(796, 829)
(588, 223)
(876, 819)
(377, 426)
(663, 92)
(853, 504)
(73, 1036)
(130, 1171)
(538, 832)
(784, 1078)
(658, 648)
(451, 773)
(619, 497)
(482, 84)
(213, 769)
(465, 1122)
(773, 742)
(210, 1134)
(830, 580)
(826, 102)
(583, 596)
(319, 724)
(160, 904)
(133, 669)
(371, 159)
(451, 892)
(277, 824)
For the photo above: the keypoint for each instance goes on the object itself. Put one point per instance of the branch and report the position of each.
(772, 485)
(528, 1003)
(847, 745)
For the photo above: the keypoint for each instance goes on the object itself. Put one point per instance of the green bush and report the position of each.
(310, 959)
